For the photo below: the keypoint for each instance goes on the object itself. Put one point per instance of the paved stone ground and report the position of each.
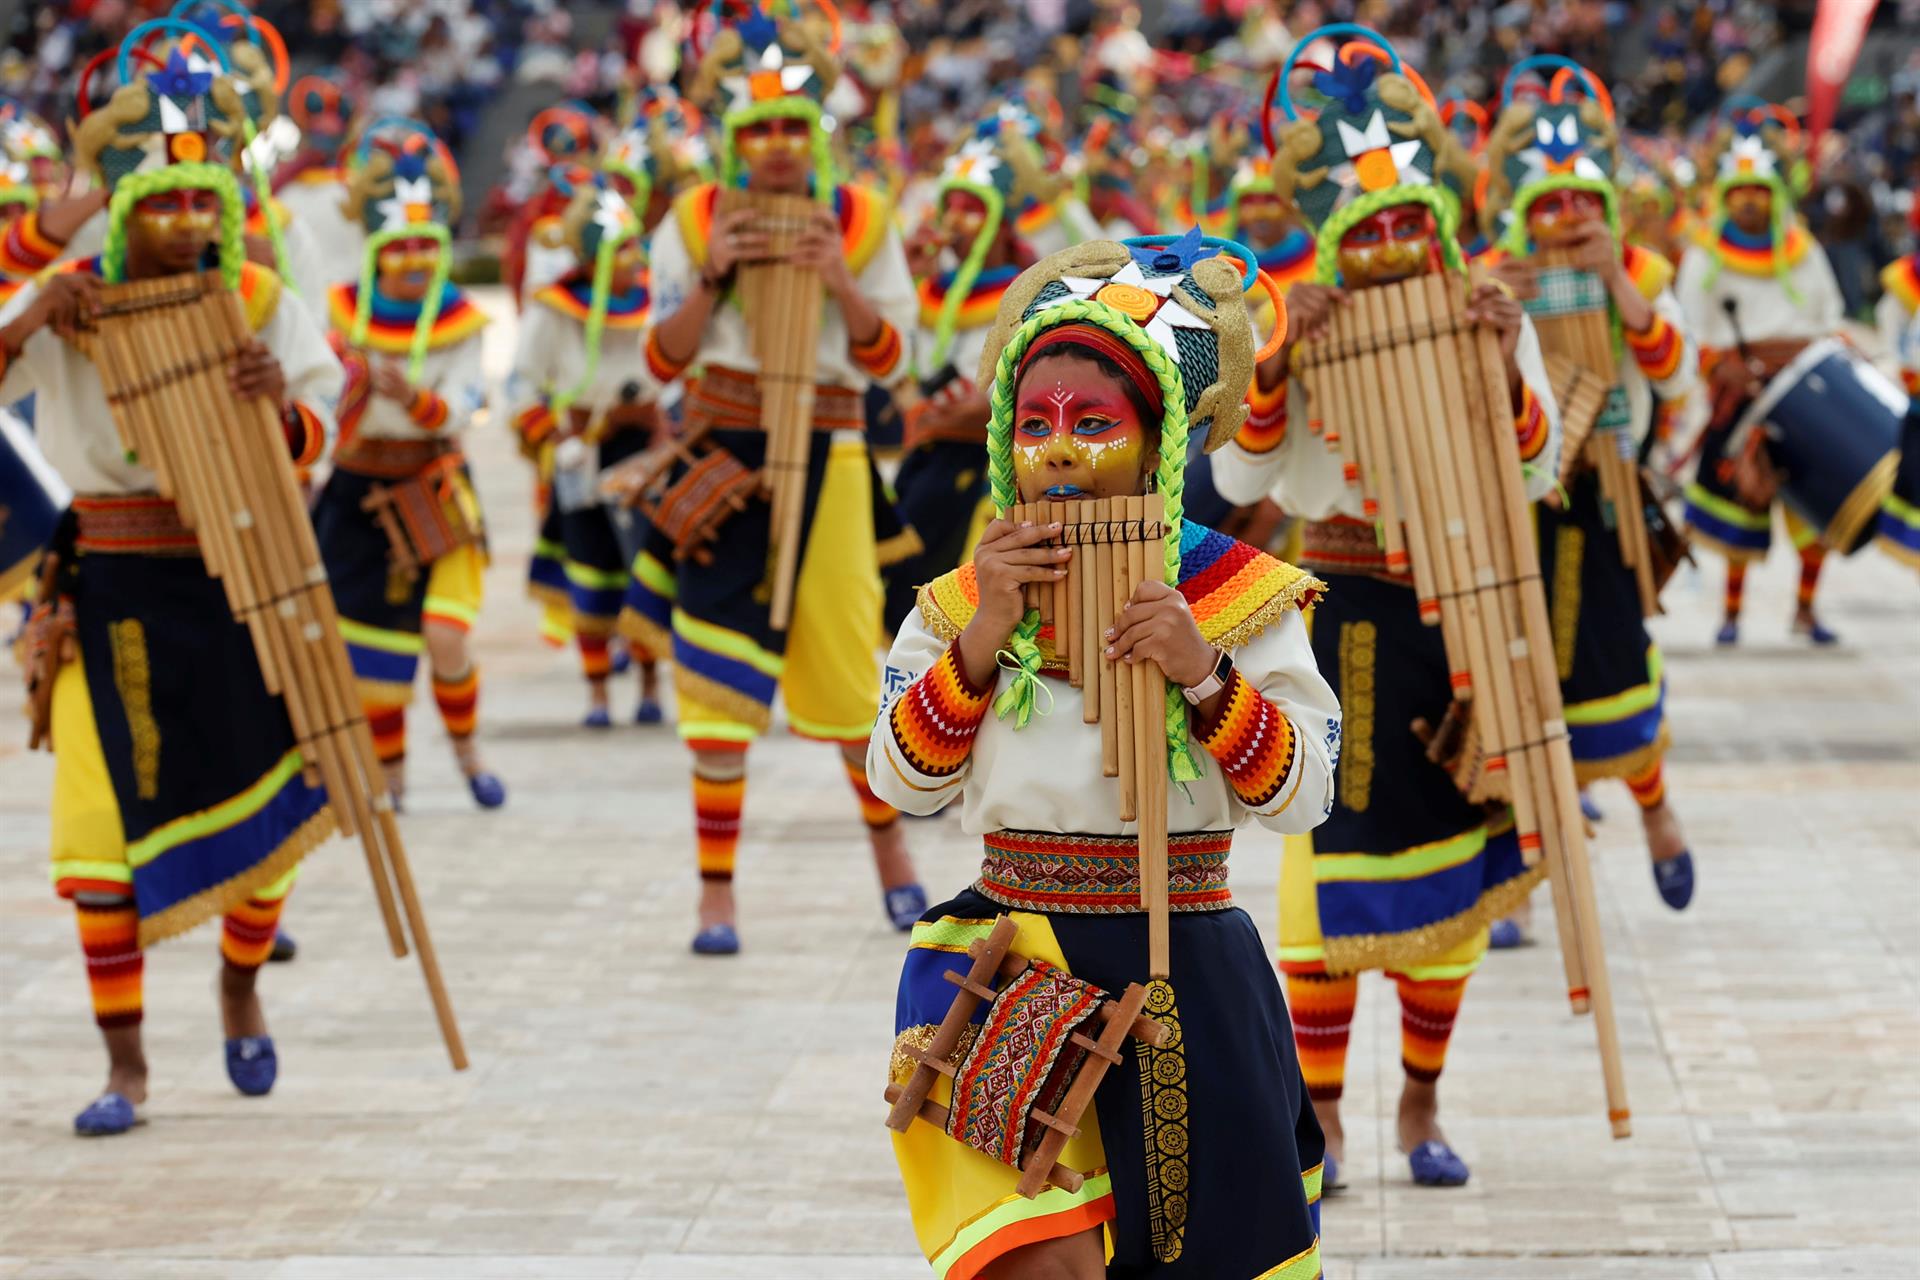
(635, 1114)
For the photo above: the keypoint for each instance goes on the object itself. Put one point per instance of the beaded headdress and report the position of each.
(1562, 139)
(404, 186)
(766, 64)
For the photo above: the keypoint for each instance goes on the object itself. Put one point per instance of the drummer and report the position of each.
(1899, 320)
(1756, 279)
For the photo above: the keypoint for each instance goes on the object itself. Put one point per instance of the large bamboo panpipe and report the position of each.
(782, 303)
(164, 349)
(1574, 318)
(1118, 543)
(1421, 406)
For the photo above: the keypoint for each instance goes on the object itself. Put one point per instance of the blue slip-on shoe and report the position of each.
(905, 906)
(1816, 633)
(1330, 1180)
(1435, 1165)
(252, 1064)
(1674, 879)
(105, 1116)
(716, 940)
(488, 791)
(1588, 809)
(649, 712)
(1728, 635)
(597, 719)
(284, 947)
(1505, 935)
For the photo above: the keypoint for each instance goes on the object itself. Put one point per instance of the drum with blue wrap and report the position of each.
(32, 496)
(1832, 427)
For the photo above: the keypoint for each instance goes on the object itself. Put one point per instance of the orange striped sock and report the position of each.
(1736, 587)
(110, 939)
(1427, 1012)
(1322, 1008)
(389, 726)
(246, 935)
(459, 702)
(595, 661)
(716, 820)
(875, 812)
(1812, 558)
(1649, 786)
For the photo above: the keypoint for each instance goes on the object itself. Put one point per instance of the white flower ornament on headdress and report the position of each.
(1749, 157)
(611, 213)
(768, 76)
(1374, 160)
(975, 161)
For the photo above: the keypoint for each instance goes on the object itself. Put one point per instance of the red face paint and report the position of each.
(1396, 243)
(1555, 216)
(1076, 433)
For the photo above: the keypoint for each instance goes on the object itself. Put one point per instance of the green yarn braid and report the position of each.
(1446, 217)
(969, 272)
(787, 108)
(1169, 479)
(263, 197)
(429, 306)
(196, 175)
(596, 316)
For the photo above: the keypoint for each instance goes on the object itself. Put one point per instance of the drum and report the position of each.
(1832, 426)
(32, 496)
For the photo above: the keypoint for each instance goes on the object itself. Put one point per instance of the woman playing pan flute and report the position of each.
(1406, 874)
(1610, 670)
(178, 794)
(411, 346)
(714, 610)
(1103, 359)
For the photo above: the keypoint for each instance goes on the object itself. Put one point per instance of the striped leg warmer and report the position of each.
(1736, 588)
(1427, 1011)
(875, 812)
(1649, 786)
(1812, 558)
(110, 939)
(1322, 1009)
(459, 702)
(246, 935)
(719, 791)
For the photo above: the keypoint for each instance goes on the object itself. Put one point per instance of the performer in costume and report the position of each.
(410, 343)
(565, 134)
(1102, 360)
(178, 795)
(729, 661)
(1105, 180)
(1756, 277)
(580, 400)
(312, 184)
(1551, 165)
(941, 488)
(32, 171)
(1898, 314)
(1406, 874)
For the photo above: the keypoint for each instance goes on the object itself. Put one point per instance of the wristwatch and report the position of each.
(1216, 679)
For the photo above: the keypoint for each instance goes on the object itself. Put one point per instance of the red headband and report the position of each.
(1108, 345)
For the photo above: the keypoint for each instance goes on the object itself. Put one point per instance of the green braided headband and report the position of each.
(196, 175)
(596, 315)
(1169, 480)
(429, 307)
(263, 198)
(1516, 240)
(969, 270)
(1446, 217)
(785, 108)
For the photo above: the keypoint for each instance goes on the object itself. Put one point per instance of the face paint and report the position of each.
(1076, 433)
(1396, 243)
(1750, 207)
(1555, 217)
(778, 153)
(1263, 219)
(174, 228)
(407, 267)
(962, 215)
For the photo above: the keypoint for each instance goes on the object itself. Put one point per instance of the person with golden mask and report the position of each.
(1202, 1156)
(1552, 159)
(709, 600)
(178, 793)
(1406, 875)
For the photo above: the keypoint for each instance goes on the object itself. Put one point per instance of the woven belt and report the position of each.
(730, 400)
(390, 459)
(1346, 545)
(131, 524)
(1100, 875)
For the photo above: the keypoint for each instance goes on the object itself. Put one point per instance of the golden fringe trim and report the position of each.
(223, 897)
(1416, 946)
(720, 700)
(1626, 766)
(1726, 550)
(920, 1037)
(901, 546)
(933, 616)
(637, 628)
(544, 593)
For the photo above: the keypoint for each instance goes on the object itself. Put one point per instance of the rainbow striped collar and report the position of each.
(982, 301)
(391, 323)
(574, 297)
(1755, 255)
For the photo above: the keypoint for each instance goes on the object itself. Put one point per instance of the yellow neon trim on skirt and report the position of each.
(1421, 860)
(1628, 702)
(193, 826)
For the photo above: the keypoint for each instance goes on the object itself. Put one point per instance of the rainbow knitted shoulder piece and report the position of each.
(865, 218)
(1649, 271)
(1902, 279)
(390, 324)
(260, 288)
(982, 302)
(1755, 256)
(574, 297)
(1035, 217)
(1234, 590)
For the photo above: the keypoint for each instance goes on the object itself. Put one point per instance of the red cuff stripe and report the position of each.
(1530, 425)
(25, 251)
(1657, 351)
(306, 437)
(1252, 741)
(1266, 424)
(428, 410)
(662, 369)
(935, 720)
(880, 357)
(534, 423)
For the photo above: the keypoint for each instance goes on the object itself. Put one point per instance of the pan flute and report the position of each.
(782, 305)
(1418, 402)
(164, 349)
(1574, 318)
(1118, 544)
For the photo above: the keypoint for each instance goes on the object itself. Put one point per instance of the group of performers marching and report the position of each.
(1051, 329)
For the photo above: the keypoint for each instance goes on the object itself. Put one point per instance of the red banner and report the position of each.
(1839, 26)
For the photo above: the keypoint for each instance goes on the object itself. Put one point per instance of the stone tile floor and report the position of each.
(633, 1113)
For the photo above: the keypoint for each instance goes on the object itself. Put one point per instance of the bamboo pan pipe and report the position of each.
(782, 304)
(164, 349)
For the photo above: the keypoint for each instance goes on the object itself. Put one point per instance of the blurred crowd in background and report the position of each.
(450, 62)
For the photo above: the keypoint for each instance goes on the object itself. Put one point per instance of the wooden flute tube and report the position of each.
(1121, 712)
(1381, 482)
(1109, 609)
(1145, 553)
(1092, 623)
(1075, 643)
(1394, 379)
